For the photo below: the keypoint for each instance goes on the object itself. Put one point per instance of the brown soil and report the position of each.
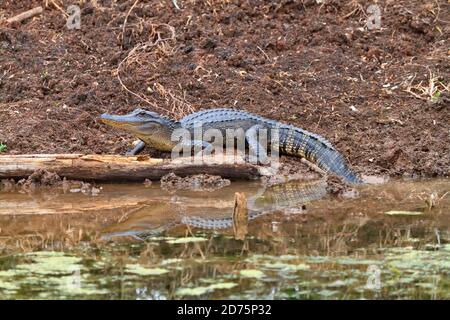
(315, 65)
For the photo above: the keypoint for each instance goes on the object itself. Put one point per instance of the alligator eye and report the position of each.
(142, 113)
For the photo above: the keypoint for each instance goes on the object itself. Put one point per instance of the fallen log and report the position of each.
(115, 168)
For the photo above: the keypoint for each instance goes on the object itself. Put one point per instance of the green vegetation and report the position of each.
(2, 147)
(403, 273)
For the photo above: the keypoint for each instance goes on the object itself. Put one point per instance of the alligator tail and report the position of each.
(318, 150)
(335, 162)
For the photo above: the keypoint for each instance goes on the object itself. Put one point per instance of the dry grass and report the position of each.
(355, 9)
(429, 90)
(431, 198)
(56, 4)
(160, 45)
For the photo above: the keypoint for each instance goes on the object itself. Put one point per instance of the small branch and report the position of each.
(126, 18)
(264, 53)
(59, 8)
(176, 4)
(25, 15)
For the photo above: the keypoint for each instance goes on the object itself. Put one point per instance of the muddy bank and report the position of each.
(381, 96)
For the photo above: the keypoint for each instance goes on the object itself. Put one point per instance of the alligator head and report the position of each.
(151, 127)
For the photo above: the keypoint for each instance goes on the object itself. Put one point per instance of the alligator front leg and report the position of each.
(138, 148)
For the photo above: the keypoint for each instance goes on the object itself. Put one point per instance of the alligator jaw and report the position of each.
(118, 121)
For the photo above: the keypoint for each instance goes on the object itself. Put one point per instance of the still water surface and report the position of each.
(389, 240)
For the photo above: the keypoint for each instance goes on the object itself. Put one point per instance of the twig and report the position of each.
(126, 18)
(175, 4)
(348, 15)
(25, 15)
(264, 53)
(59, 8)
(358, 8)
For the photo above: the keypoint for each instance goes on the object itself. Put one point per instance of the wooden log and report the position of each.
(110, 168)
(25, 15)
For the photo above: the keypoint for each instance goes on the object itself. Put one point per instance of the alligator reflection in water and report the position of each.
(290, 197)
(333, 224)
(287, 198)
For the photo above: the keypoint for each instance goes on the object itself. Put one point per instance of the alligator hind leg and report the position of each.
(138, 148)
(314, 167)
(258, 153)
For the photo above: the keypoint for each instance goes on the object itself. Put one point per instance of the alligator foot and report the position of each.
(137, 148)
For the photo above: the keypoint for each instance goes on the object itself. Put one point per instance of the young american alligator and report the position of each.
(156, 130)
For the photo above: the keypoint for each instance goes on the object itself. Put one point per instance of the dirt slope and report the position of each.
(311, 63)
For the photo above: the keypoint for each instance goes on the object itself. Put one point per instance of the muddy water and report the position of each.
(389, 240)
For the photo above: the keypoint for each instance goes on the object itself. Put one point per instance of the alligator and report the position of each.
(156, 131)
(264, 202)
